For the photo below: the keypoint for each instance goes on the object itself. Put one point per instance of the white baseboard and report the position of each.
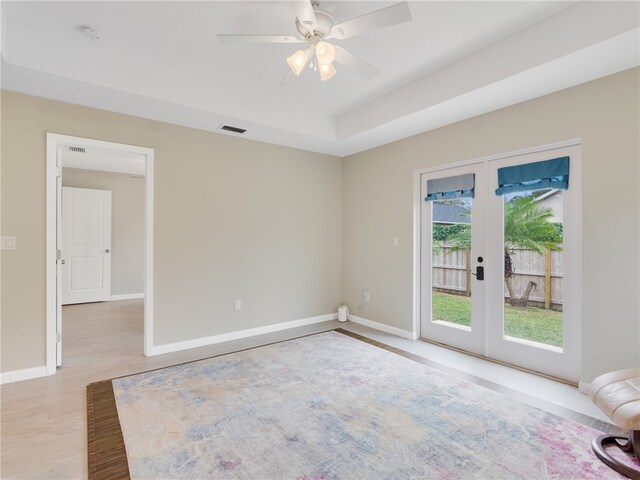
(226, 337)
(583, 387)
(25, 374)
(384, 328)
(125, 296)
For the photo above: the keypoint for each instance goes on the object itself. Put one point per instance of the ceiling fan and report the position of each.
(316, 26)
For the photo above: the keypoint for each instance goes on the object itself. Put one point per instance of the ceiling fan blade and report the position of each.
(242, 38)
(356, 64)
(385, 17)
(307, 15)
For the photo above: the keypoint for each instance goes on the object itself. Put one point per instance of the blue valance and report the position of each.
(460, 186)
(552, 173)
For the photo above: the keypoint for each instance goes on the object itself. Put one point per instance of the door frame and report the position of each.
(417, 224)
(53, 171)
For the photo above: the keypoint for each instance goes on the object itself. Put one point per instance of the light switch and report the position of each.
(396, 241)
(7, 243)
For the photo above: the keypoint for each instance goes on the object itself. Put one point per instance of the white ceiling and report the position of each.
(162, 60)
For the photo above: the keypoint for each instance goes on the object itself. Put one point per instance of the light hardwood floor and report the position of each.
(43, 420)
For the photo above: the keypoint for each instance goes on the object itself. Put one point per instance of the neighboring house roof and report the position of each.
(443, 213)
(552, 200)
(551, 192)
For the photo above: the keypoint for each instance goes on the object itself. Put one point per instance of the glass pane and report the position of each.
(451, 289)
(533, 266)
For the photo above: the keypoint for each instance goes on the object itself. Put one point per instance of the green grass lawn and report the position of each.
(531, 323)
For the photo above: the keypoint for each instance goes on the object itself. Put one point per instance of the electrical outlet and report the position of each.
(238, 305)
(141, 277)
(366, 295)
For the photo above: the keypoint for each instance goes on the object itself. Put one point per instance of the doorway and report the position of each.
(499, 263)
(79, 240)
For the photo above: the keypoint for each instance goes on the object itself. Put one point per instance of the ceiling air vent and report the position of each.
(76, 149)
(229, 128)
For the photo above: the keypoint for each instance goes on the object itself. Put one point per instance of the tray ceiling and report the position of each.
(162, 60)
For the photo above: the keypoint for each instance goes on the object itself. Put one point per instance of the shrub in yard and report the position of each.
(442, 233)
(527, 226)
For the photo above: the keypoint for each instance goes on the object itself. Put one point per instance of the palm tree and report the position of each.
(526, 225)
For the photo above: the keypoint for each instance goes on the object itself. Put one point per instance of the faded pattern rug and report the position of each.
(328, 406)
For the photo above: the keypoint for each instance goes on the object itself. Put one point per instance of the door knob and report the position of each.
(107, 251)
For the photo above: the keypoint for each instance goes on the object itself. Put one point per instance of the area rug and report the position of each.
(325, 406)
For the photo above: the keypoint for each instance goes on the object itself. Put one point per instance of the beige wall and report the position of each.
(378, 205)
(233, 219)
(127, 223)
(270, 225)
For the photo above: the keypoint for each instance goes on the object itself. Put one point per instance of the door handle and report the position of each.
(107, 251)
(479, 273)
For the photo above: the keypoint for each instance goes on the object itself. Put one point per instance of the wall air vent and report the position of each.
(229, 128)
(76, 149)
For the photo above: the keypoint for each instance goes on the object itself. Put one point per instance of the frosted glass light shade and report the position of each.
(325, 52)
(326, 71)
(298, 60)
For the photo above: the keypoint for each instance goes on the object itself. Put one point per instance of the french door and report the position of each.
(453, 299)
(500, 274)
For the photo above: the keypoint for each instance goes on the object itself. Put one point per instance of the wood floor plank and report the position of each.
(105, 444)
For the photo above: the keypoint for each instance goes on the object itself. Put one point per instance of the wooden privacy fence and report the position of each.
(452, 274)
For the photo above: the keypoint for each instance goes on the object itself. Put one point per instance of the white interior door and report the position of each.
(86, 245)
(456, 318)
(59, 260)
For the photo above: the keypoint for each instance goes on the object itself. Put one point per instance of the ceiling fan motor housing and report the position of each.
(324, 23)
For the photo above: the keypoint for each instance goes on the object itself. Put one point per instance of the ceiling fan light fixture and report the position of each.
(325, 52)
(315, 25)
(298, 60)
(327, 71)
